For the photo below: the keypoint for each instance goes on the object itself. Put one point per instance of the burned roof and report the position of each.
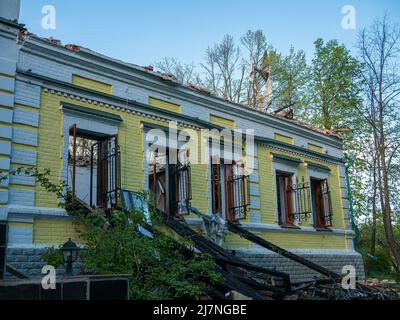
(167, 76)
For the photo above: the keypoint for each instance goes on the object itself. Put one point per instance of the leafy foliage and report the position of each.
(156, 268)
(335, 85)
(53, 256)
(383, 263)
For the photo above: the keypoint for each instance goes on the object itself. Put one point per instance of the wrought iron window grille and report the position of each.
(299, 192)
(240, 193)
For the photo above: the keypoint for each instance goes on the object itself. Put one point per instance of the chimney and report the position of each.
(9, 10)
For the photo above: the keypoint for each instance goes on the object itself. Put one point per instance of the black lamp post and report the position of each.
(70, 252)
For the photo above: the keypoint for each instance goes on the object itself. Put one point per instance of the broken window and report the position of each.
(170, 183)
(321, 201)
(108, 172)
(284, 198)
(292, 198)
(238, 194)
(94, 168)
(183, 185)
(216, 188)
(229, 183)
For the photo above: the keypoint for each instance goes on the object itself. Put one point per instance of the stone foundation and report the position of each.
(30, 262)
(333, 260)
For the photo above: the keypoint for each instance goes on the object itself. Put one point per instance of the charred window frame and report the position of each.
(183, 186)
(216, 192)
(322, 203)
(293, 199)
(300, 193)
(176, 191)
(85, 124)
(105, 167)
(284, 197)
(230, 189)
(237, 192)
(108, 172)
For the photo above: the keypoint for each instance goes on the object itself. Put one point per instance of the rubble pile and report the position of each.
(332, 290)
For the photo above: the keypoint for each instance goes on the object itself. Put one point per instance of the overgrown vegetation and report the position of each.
(156, 267)
(355, 94)
(382, 263)
(157, 270)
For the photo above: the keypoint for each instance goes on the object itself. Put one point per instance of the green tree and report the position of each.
(335, 85)
(157, 269)
(290, 81)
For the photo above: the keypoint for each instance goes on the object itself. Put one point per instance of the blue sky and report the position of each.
(143, 32)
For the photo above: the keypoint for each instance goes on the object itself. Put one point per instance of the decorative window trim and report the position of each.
(72, 108)
(285, 158)
(318, 167)
(283, 167)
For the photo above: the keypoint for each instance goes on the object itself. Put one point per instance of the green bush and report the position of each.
(53, 256)
(157, 270)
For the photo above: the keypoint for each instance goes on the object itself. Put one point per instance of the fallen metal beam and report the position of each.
(237, 229)
(222, 255)
(15, 272)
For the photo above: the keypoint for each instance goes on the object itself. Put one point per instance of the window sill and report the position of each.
(289, 226)
(321, 229)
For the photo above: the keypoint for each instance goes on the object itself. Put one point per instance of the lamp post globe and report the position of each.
(70, 253)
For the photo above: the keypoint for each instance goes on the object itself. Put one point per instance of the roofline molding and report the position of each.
(141, 78)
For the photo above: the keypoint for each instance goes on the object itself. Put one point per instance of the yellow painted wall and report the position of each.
(130, 137)
(283, 138)
(55, 231)
(224, 122)
(132, 173)
(315, 240)
(91, 84)
(233, 241)
(165, 104)
(268, 202)
(316, 148)
(20, 224)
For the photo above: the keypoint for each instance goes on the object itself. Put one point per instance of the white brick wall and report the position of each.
(27, 94)
(5, 147)
(25, 136)
(5, 163)
(7, 83)
(4, 182)
(23, 156)
(22, 179)
(27, 117)
(5, 131)
(3, 196)
(19, 235)
(6, 99)
(6, 115)
(21, 197)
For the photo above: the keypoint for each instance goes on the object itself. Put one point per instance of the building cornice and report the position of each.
(137, 76)
(115, 102)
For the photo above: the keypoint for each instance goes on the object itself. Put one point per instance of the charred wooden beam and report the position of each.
(221, 254)
(239, 286)
(15, 272)
(237, 229)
